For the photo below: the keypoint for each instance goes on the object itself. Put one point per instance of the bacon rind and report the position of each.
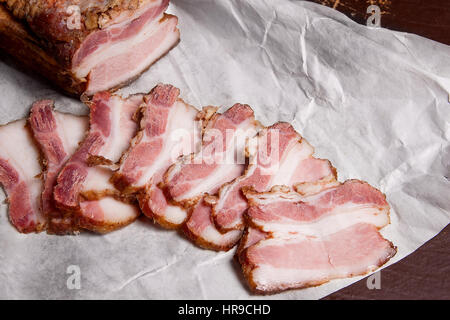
(190, 229)
(20, 44)
(86, 221)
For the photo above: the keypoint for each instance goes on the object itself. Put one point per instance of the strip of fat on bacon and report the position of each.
(307, 240)
(221, 159)
(19, 175)
(57, 135)
(83, 188)
(168, 130)
(277, 156)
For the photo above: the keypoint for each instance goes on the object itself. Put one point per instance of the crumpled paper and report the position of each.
(373, 101)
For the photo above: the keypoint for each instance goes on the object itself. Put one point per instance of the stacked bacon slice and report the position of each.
(217, 177)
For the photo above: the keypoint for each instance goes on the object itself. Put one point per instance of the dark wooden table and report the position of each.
(427, 18)
(423, 275)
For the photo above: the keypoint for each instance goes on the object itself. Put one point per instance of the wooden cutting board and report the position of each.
(427, 18)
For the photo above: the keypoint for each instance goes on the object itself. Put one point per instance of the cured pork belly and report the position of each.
(296, 241)
(168, 130)
(278, 264)
(279, 156)
(221, 159)
(19, 175)
(58, 135)
(83, 188)
(94, 45)
(280, 212)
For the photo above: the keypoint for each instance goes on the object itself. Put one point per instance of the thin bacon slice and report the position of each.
(169, 129)
(83, 177)
(278, 264)
(201, 230)
(58, 136)
(19, 176)
(279, 156)
(221, 160)
(281, 212)
(307, 240)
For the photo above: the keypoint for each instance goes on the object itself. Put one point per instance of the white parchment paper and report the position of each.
(373, 101)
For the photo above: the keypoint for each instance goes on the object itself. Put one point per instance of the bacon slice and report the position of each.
(201, 230)
(306, 240)
(112, 126)
(279, 156)
(278, 264)
(221, 160)
(89, 45)
(123, 61)
(58, 136)
(281, 212)
(19, 176)
(168, 130)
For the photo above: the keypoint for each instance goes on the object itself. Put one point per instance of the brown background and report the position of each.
(428, 18)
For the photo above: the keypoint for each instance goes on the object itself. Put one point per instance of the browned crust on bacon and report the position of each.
(102, 227)
(94, 161)
(63, 228)
(143, 198)
(201, 242)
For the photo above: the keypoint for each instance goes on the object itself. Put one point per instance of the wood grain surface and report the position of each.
(427, 18)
